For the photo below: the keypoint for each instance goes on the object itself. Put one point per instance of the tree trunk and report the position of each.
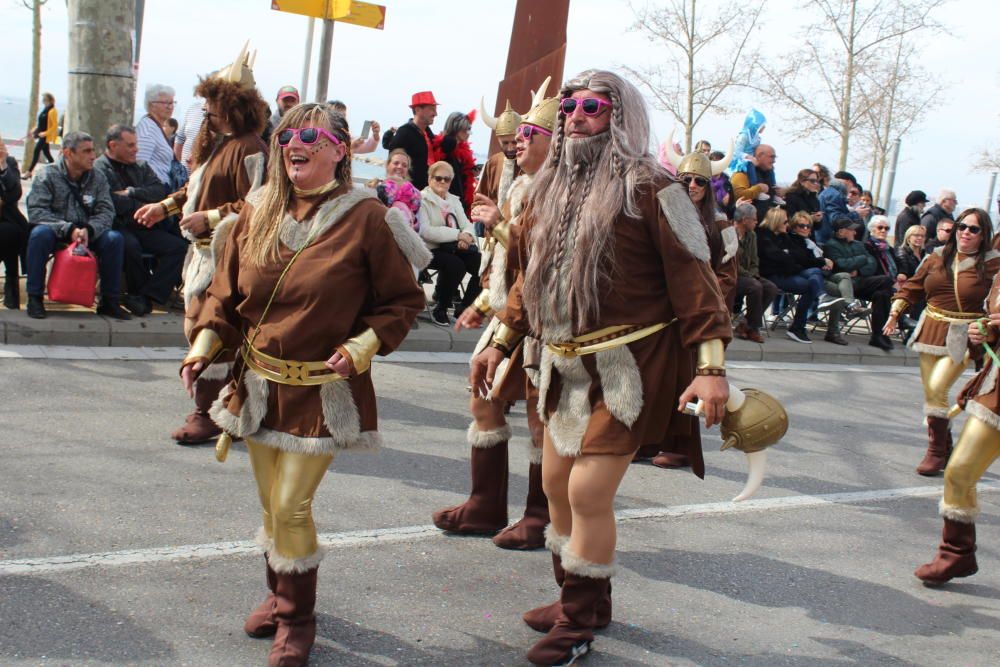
(101, 81)
(845, 113)
(36, 77)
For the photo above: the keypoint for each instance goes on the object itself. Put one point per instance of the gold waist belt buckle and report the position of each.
(605, 339)
(951, 316)
(282, 371)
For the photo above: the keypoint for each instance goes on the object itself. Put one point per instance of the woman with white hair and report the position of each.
(153, 145)
(880, 248)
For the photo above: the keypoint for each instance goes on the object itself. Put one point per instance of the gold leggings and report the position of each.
(286, 484)
(978, 447)
(938, 374)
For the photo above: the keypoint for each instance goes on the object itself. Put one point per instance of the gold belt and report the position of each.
(282, 371)
(605, 339)
(951, 316)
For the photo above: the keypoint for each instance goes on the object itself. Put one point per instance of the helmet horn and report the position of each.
(539, 97)
(719, 166)
(756, 463)
(490, 121)
(672, 155)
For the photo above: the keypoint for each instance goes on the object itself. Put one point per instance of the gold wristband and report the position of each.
(206, 347)
(711, 356)
(718, 372)
(898, 306)
(213, 218)
(482, 304)
(501, 232)
(170, 206)
(506, 338)
(361, 349)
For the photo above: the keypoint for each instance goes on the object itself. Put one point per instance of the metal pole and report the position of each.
(989, 193)
(887, 202)
(325, 52)
(304, 93)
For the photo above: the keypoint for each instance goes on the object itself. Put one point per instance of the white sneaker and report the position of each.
(763, 196)
(826, 302)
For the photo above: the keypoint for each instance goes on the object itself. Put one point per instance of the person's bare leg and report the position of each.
(555, 482)
(593, 483)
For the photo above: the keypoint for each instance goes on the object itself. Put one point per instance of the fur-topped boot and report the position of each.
(938, 447)
(529, 532)
(956, 555)
(485, 512)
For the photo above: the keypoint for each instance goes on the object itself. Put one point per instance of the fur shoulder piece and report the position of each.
(409, 242)
(731, 243)
(683, 220)
(295, 235)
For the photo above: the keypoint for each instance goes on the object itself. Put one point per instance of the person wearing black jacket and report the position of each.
(134, 184)
(13, 227)
(944, 209)
(803, 195)
(787, 262)
(909, 216)
(415, 136)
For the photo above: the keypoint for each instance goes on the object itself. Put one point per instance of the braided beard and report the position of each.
(572, 240)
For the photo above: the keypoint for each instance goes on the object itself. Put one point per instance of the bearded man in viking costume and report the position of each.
(229, 161)
(616, 281)
(501, 169)
(485, 512)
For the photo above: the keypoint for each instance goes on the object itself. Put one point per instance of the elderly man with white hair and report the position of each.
(943, 209)
(154, 148)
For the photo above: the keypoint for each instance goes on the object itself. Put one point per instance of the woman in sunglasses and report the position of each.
(953, 279)
(803, 195)
(878, 245)
(314, 282)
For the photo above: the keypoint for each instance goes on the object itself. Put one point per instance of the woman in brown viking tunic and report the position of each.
(315, 281)
(978, 447)
(954, 280)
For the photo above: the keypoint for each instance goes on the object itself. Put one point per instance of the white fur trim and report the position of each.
(568, 423)
(917, 329)
(683, 220)
(543, 383)
(329, 214)
(485, 339)
(193, 191)
(936, 350)
(959, 514)
(506, 179)
(200, 263)
(252, 412)
(989, 383)
(498, 279)
(584, 568)
(265, 543)
(284, 565)
(320, 446)
(340, 413)
(219, 371)
(534, 454)
(487, 439)
(730, 242)
(621, 383)
(555, 542)
(957, 341)
(256, 167)
(935, 411)
(413, 247)
(983, 414)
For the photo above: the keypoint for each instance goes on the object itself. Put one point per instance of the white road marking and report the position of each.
(356, 538)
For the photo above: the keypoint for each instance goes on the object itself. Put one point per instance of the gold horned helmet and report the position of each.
(697, 163)
(240, 71)
(544, 111)
(503, 125)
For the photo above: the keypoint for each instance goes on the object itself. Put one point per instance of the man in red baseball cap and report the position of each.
(415, 136)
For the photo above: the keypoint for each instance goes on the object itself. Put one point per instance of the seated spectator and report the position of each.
(835, 298)
(878, 245)
(71, 202)
(944, 229)
(759, 186)
(803, 195)
(911, 252)
(452, 146)
(833, 204)
(850, 256)
(909, 216)
(395, 190)
(788, 263)
(448, 234)
(758, 291)
(944, 209)
(856, 204)
(133, 184)
(154, 148)
(13, 228)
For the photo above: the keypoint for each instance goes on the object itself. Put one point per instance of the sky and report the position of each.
(458, 49)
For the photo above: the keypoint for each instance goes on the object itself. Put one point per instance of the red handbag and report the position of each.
(74, 276)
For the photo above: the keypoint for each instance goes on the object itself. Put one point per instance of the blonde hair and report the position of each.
(801, 215)
(774, 219)
(265, 221)
(440, 165)
(910, 231)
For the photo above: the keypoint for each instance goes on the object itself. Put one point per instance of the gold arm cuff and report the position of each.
(506, 338)
(206, 346)
(501, 232)
(711, 355)
(170, 206)
(361, 349)
(482, 304)
(213, 217)
(898, 306)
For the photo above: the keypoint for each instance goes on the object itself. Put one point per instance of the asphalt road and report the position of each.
(818, 573)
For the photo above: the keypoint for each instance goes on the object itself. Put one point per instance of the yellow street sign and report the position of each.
(364, 14)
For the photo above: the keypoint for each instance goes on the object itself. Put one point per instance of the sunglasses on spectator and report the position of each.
(700, 181)
(803, 225)
(443, 179)
(527, 131)
(972, 229)
(307, 135)
(882, 228)
(812, 180)
(591, 106)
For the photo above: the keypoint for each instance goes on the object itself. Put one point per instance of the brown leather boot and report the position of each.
(646, 452)
(485, 512)
(936, 458)
(529, 532)
(295, 604)
(198, 426)
(671, 460)
(261, 622)
(956, 556)
(570, 637)
(543, 619)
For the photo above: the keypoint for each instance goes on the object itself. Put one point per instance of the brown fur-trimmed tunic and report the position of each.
(980, 397)
(498, 174)
(355, 274)
(612, 402)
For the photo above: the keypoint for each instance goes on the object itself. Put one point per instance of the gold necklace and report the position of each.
(315, 192)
